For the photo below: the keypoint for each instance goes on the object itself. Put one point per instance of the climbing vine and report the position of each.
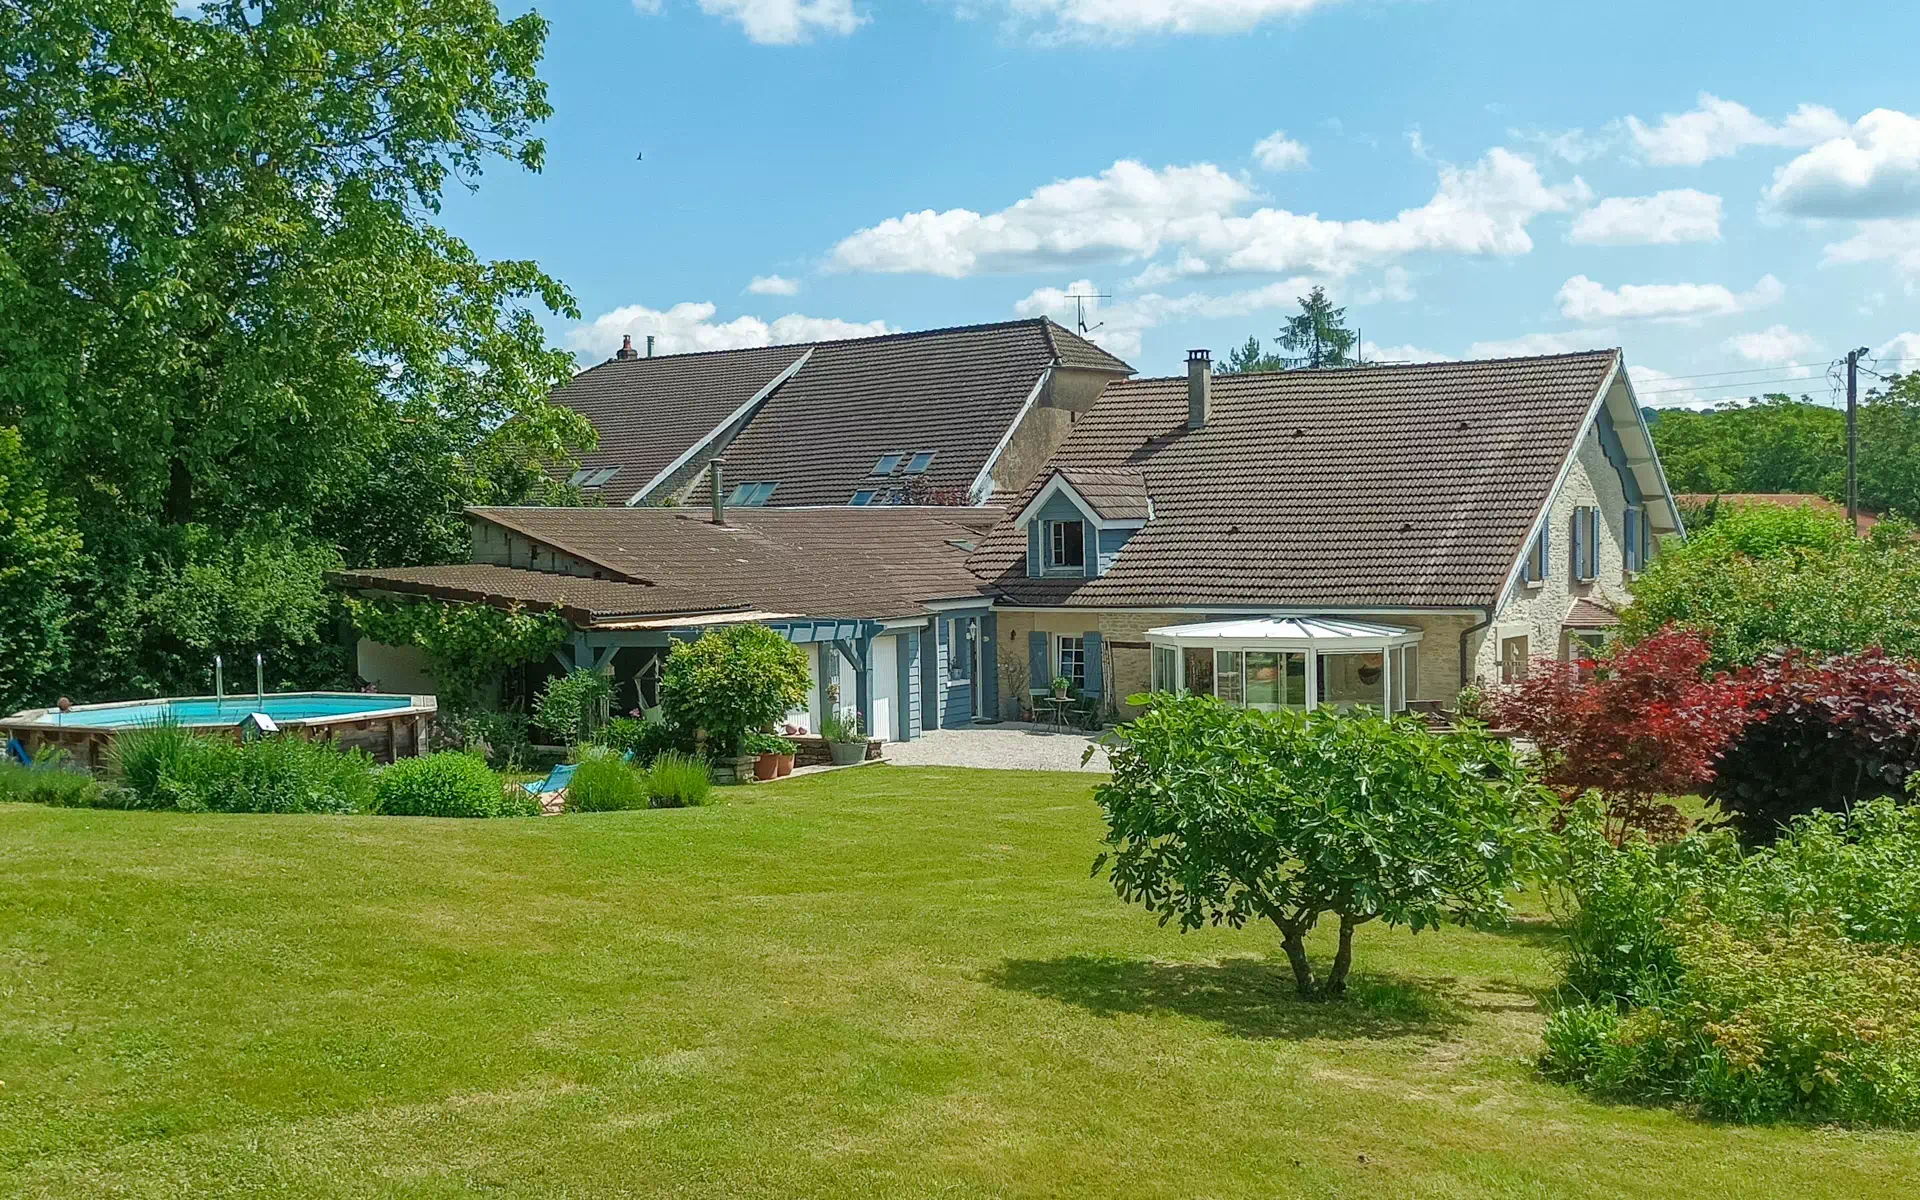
(467, 645)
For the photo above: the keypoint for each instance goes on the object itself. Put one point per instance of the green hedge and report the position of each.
(449, 784)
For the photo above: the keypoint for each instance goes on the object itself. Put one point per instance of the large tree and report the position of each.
(1319, 336)
(231, 336)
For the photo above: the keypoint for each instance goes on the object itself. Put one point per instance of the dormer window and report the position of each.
(1066, 547)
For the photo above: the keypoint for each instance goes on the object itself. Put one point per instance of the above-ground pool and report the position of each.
(387, 727)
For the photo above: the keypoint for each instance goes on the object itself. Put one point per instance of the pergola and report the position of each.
(1270, 663)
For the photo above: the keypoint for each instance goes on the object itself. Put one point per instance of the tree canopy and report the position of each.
(231, 339)
(1318, 337)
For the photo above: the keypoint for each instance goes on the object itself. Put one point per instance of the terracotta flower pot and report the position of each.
(766, 766)
(786, 765)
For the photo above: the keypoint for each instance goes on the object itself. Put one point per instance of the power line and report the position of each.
(1747, 384)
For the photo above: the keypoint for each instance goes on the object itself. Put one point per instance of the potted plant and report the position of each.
(729, 683)
(845, 744)
(768, 751)
(787, 734)
(1061, 686)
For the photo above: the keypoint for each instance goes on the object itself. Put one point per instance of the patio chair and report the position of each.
(556, 780)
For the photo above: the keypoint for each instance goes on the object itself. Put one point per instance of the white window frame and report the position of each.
(1064, 644)
(1056, 544)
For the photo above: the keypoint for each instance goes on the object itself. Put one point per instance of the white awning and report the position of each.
(1329, 635)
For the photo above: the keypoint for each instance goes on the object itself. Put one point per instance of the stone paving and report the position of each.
(1005, 747)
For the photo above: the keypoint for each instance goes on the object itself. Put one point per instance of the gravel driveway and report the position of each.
(1008, 747)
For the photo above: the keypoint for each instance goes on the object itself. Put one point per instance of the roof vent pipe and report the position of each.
(649, 345)
(626, 351)
(1199, 387)
(717, 485)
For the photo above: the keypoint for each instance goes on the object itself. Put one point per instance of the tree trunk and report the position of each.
(1296, 946)
(1336, 984)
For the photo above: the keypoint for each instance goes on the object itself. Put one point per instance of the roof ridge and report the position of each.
(1332, 372)
(897, 335)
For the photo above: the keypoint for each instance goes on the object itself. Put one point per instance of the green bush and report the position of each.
(1770, 985)
(646, 740)
(166, 767)
(1793, 1024)
(52, 785)
(502, 737)
(678, 781)
(449, 784)
(602, 782)
(572, 707)
(731, 682)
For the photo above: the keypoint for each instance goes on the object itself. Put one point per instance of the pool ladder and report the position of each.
(259, 679)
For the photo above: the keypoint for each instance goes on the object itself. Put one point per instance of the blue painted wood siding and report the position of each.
(907, 661)
(1059, 509)
(1112, 541)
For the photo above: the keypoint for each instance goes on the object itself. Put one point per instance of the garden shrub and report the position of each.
(1760, 986)
(501, 737)
(678, 781)
(1825, 733)
(50, 784)
(572, 707)
(1219, 815)
(731, 682)
(166, 767)
(602, 782)
(646, 740)
(448, 784)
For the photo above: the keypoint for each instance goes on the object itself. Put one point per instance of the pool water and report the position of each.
(290, 707)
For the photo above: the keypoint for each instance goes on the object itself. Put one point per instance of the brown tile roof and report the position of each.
(823, 562)
(1409, 486)
(1586, 614)
(954, 392)
(582, 601)
(1116, 493)
(651, 410)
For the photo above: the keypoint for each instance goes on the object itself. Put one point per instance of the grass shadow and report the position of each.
(1248, 997)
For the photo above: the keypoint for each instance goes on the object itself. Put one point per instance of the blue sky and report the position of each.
(1731, 191)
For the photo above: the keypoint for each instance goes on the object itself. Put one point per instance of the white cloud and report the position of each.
(1897, 242)
(1534, 344)
(1871, 171)
(1657, 389)
(777, 22)
(1665, 219)
(774, 285)
(1718, 128)
(1906, 347)
(1278, 152)
(1121, 19)
(1124, 213)
(1401, 354)
(1479, 210)
(690, 326)
(1131, 212)
(1575, 146)
(1772, 346)
(1581, 299)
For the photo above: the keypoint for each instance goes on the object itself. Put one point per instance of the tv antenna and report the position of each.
(1080, 310)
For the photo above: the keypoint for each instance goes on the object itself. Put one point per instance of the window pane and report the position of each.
(1166, 669)
(960, 649)
(863, 497)
(1295, 693)
(1347, 680)
(1199, 672)
(1072, 661)
(886, 464)
(1410, 677)
(921, 461)
(1263, 680)
(1228, 683)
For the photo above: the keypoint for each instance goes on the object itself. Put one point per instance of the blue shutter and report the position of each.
(1034, 549)
(987, 677)
(1093, 665)
(1630, 552)
(1089, 550)
(1579, 548)
(1042, 676)
(1593, 542)
(1646, 539)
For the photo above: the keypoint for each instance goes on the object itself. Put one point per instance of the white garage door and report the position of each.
(886, 687)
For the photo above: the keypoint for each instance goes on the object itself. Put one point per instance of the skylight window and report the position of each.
(863, 497)
(888, 464)
(751, 495)
(922, 459)
(579, 477)
(601, 477)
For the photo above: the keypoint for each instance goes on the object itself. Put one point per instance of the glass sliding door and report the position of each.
(1229, 677)
(1199, 671)
(1276, 679)
(1166, 669)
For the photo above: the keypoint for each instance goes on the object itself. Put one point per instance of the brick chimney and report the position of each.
(1199, 387)
(626, 352)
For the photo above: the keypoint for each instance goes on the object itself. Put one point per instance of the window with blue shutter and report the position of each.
(1630, 550)
(1092, 686)
(1577, 545)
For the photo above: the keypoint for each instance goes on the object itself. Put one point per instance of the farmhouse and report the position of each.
(1381, 536)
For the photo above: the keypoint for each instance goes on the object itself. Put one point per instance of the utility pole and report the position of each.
(1853, 442)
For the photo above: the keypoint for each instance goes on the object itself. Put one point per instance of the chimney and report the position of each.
(649, 345)
(626, 351)
(1199, 387)
(717, 485)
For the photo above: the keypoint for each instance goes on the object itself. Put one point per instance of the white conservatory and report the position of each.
(1270, 663)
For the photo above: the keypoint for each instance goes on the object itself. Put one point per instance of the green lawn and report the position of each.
(872, 983)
